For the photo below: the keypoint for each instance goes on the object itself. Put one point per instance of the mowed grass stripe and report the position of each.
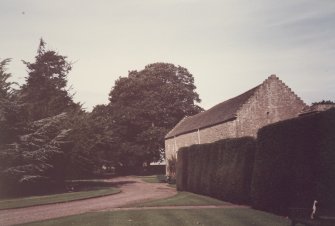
(152, 178)
(56, 198)
(204, 217)
(183, 199)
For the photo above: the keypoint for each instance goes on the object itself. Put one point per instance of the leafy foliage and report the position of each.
(145, 106)
(172, 167)
(37, 157)
(10, 108)
(46, 138)
(93, 143)
(5, 85)
(324, 102)
(33, 132)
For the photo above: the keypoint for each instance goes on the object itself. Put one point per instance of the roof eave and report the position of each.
(193, 130)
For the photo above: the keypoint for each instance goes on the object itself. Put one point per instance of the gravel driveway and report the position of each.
(132, 190)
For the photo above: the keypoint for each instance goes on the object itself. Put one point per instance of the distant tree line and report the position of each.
(46, 137)
(323, 102)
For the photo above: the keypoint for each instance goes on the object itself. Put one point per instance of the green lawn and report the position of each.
(204, 217)
(170, 217)
(172, 186)
(183, 199)
(153, 178)
(56, 198)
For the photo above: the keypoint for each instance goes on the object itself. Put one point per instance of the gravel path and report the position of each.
(132, 190)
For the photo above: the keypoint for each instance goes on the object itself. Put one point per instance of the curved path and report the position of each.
(132, 190)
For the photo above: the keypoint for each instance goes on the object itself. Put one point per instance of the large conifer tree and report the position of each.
(46, 93)
(9, 107)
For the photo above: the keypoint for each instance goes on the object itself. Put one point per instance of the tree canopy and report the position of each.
(10, 109)
(146, 105)
(45, 92)
(37, 157)
(93, 143)
(323, 102)
(46, 138)
(33, 127)
(5, 85)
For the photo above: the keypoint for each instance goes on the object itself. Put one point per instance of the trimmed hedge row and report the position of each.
(291, 164)
(295, 163)
(222, 169)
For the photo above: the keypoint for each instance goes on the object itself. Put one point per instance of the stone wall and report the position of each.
(272, 102)
(218, 132)
(207, 135)
(173, 144)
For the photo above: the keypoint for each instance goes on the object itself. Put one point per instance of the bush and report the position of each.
(171, 167)
(222, 169)
(295, 163)
(181, 169)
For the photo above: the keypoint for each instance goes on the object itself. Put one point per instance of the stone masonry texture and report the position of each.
(271, 102)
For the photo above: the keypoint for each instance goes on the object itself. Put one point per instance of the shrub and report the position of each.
(181, 169)
(295, 163)
(222, 169)
(171, 167)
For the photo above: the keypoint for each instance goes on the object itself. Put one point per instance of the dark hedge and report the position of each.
(222, 169)
(181, 172)
(295, 164)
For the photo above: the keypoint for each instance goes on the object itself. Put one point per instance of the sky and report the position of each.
(229, 46)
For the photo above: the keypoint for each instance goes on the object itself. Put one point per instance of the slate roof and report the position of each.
(218, 114)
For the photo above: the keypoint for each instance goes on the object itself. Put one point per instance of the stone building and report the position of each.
(269, 102)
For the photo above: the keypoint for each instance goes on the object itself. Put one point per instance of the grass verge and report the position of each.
(167, 217)
(183, 199)
(56, 198)
(153, 178)
(203, 217)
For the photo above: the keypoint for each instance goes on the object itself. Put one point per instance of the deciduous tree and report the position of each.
(146, 105)
(93, 143)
